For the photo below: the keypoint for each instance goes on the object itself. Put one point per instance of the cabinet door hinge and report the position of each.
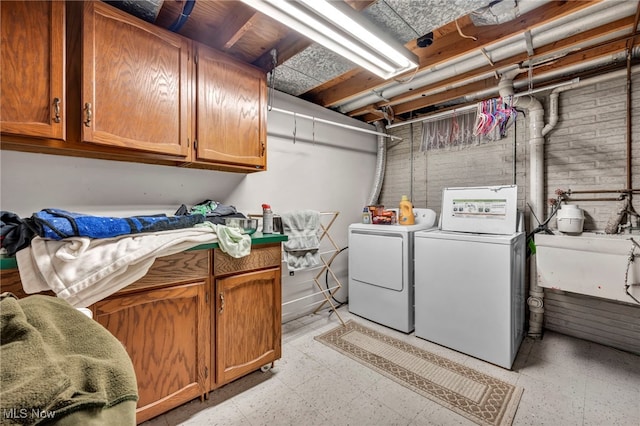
(195, 59)
(206, 298)
(206, 372)
(195, 144)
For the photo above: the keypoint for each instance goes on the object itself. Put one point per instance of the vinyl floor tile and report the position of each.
(567, 381)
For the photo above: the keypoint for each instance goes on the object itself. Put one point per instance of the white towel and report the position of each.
(232, 241)
(301, 250)
(83, 270)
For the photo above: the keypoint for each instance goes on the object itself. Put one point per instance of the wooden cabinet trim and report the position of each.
(178, 268)
(264, 256)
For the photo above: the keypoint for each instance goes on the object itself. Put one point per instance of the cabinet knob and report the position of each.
(87, 113)
(221, 302)
(56, 109)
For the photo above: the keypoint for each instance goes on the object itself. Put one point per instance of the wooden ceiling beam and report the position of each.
(448, 46)
(567, 61)
(562, 45)
(542, 51)
(239, 21)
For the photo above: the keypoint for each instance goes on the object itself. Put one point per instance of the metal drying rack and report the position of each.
(326, 268)
(326, 258)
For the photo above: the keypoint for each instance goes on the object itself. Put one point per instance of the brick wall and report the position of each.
(500, 162)
(585, 151)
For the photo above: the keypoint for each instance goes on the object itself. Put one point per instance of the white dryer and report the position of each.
(381, 285)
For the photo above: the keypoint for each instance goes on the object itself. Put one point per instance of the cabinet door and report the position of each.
(32, 68)
(248, 323)
(230, 110)
(166, 333)
(135, 83)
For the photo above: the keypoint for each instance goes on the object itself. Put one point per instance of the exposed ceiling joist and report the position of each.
(473, 41)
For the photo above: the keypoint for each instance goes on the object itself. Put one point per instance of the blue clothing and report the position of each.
(57, 224)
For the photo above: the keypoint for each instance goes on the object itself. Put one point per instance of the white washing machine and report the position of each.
(470, 275)
(381, 285)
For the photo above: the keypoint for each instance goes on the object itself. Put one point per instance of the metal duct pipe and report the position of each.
(143, 9)
(607, 12)
(380, 165)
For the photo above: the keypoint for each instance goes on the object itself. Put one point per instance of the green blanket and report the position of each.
(55, 361)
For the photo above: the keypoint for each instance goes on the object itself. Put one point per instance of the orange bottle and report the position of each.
(405, 215)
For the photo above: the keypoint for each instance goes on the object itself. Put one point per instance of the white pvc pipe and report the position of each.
(474, 96)
(536, 157)
(537, 130)
(599, 14)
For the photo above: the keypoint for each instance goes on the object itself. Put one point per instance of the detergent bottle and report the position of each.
(405, 214)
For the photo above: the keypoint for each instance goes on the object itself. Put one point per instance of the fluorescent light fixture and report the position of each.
(336, 26)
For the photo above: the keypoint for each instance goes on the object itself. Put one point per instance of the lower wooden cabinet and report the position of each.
(196, 321)
(248, 323)
(166, 332)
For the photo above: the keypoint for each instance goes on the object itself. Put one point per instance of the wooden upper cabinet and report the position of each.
(231, 102)
(32, 69)
(135, 83)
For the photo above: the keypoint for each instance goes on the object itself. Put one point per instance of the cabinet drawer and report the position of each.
(263, 256)
(177, 268)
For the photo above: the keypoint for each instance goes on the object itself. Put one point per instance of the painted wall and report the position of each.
(324, 168)
(585, 151)
(327, 168)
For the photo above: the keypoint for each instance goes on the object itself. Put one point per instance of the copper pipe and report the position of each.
(630, 44)
(600, 191)
(629, 183)
(593, 199)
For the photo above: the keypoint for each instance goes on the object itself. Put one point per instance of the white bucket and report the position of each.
(570, 219)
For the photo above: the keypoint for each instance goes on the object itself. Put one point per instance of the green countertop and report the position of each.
(257, 238)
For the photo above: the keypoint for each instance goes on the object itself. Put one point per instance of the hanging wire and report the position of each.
(630, 260)
(295, 127)
(272, 78)
(187, 8)
(463, 35)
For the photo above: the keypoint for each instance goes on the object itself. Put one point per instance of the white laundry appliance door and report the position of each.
(469, 293)
(380, 277)
(377, 259)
